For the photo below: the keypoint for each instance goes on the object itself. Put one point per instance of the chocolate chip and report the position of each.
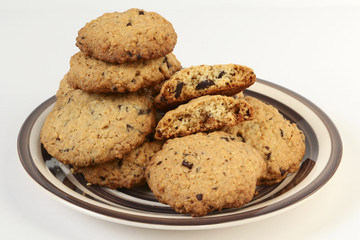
(215, 188)
(69, 100)
(120, 162)
(199, 196)
(148, 175)
(142, 111)
(119, 106)
(102, 178)
(178, 89)
(268, 155)
(133, 81)
(130, 54)
(139, 57)
(129, 24)
(240, 136)
(282, 171)
(187, 164)
(204, 84)
(114, 89)
(141, 13)
(225, 138)
(222, 73)
(281, 133)
(129, 127)
(160, 162)
(163, 99)
(167, 62)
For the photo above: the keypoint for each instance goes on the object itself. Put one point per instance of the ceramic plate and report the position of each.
(138, 207)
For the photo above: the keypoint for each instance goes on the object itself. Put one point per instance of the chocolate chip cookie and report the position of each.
(205, 113)
(88, 128)
(196, 81)
(92, 75)
(280, 142)
(201, 173)
(127, 36)
(127, 172)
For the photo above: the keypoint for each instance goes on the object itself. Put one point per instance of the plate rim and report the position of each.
(200, 223)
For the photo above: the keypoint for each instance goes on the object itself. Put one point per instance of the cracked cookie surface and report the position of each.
(201, 173)
(129, 36)
(89, 128)
(202, 114)
(280, 142)
(92, 75)
(196, 81)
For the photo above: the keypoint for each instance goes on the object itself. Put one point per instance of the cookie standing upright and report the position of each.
(206, 113)
(127, 36)
(87, 128)
(280, 142)
(92, 75)
(196, 81)
(201, 173)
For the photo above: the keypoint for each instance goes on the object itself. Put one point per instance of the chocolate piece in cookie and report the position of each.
(127, 36)
(87, 128)
(205, 113)
(92, 75)
(281, 143)
(127, 172)
(201, 173)
(197, 81)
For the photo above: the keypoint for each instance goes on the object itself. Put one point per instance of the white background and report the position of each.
(310, 47)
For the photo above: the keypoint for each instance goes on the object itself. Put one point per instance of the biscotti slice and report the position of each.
(205, 113)
(196, 81)
(201, 173)
(280, 142)
(127, 172)
(92, 75)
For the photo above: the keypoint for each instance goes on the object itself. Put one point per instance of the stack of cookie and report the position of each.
(104, 112)
(126, 115)
(219, 146)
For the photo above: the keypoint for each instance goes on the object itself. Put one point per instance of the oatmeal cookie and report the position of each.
(203, 114)
(88, 128)
(129, 36)
(196, 81)
(127, 172)
(280, 142)
(92, 75)
(201, 173)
